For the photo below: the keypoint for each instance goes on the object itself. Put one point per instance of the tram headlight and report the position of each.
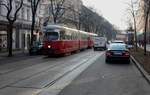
(49, 46)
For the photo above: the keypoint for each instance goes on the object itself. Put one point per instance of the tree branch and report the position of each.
(37, 3)
(32, 6)
(17, 10)
(9, 11)
(61, 14)
(4, 6)
(52, 7)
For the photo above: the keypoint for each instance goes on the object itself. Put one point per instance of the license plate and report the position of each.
(118, 53)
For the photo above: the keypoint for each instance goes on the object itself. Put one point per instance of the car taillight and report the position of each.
(108, 53)
(126, 53)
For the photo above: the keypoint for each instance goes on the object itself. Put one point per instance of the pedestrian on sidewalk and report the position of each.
(142, 43)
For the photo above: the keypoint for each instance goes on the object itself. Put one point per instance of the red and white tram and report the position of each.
(61, 40)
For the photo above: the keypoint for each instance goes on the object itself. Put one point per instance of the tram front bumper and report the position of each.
(48, 51)
(53, 51)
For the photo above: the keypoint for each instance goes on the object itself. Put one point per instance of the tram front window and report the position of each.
(51, 36)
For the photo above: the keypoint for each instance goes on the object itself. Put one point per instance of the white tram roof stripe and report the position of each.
(66, 28)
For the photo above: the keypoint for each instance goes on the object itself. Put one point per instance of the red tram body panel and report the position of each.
(90, 42)
(60, 47)
(83, 44)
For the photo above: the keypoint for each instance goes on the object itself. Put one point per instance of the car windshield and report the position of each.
(117, 47)
(51, 36)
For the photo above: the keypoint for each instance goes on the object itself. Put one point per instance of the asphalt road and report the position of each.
(84, 73)
(108, 79)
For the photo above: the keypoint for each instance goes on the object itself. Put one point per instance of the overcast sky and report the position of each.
(112, 10)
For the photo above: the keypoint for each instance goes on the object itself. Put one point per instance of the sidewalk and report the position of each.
(2, 54)
(147, 47)
(17, 55)
(142, 61)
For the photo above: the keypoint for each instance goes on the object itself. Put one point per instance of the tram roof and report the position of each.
(63, 27)
(53, 26)
(93, 34)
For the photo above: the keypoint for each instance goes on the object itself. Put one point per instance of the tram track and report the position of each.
(67, 68)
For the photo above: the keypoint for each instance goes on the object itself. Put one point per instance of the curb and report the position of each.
(140, 68)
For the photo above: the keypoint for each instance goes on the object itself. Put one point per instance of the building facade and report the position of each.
(22, 26)
(141, 16)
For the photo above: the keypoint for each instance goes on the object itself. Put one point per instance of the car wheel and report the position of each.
(106, 60)
(95, 49)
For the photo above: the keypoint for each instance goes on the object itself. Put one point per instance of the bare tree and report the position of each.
(133, 12)
(57, 9)
(11, 17)
(147, 11)
(34, 6)
(91, 21)
(75, 15)
(86, 16)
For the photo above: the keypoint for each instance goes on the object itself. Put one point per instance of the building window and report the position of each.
(0, 7)
(29, 0)
(23, 13)
(16, 7)
(28, 14)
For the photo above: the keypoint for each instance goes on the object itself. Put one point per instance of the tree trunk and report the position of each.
(55, 20)
(32, 30)
(145, 29)
(10, 30)
(135, 34)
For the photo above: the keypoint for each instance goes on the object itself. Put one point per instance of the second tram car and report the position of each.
(61, 40)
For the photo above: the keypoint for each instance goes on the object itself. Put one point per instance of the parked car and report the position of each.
(117, 52)
(36, 48)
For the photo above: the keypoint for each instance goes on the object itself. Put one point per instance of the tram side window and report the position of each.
(72, 36)
(62, 35)
(67, 35)
(82, 37)
(75, 36)
(78, 36)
